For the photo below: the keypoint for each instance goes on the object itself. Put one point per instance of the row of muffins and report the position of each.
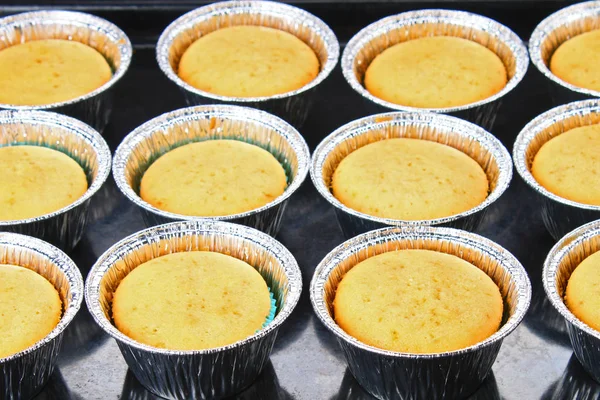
(451, 61)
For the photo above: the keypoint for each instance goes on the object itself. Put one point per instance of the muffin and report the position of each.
(49, 71)
(577, 61)
(409, 179)
(418, 301)
(248, 61)
(582, 296)
(36, 181)
(191, 301)
(435, 72)
(30, 308)
(567, 165)
(213, 178)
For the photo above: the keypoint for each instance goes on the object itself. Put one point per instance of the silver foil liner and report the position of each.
(562, 260)
(93, 108)
(24, 374)
(193, 124)
(472, 140)
(389, 31)
(204, 374)
(292, 106)
(559, 214)
(62, 228)
(554, 31)
(394, 375)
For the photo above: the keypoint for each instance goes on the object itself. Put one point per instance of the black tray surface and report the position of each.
(535, 362)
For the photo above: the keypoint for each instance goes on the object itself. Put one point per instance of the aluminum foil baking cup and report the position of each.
(394, 375)
(24, 374)
(93, 108)
(472, 140)
(194, 124)
(292, 106)
(559, 214)
(377, 37)
(64, 227)
(554, 31)
(203, 374)
(562, 260)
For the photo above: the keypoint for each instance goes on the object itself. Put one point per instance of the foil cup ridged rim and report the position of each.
(538, 126)
(55, 256)
(452, 125)
(262, 118)
(561, 18)
(129, 244)
(78, 129)
(460, 18)
(561, 251)
(470, 240)
(278, 10)
(82, 20)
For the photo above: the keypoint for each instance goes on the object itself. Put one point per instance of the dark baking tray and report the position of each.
(535, 362)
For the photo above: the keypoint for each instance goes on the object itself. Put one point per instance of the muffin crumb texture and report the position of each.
(37, 180)
(583, 291)
(248, 61)
(30, 308)
(409, 179)
(418, 301)
(213, 178)
(568, 165)
(435, 72)
(191, 301)
(577, 61)
(49, 71)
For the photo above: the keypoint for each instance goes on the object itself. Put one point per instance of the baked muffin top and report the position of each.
(213, 178)
(191, 301)
(248, 61)
(583, 291)
(50, 71)
(409, 179)
(418, 301)
(435, 72)
(30, 308)
(568, 165)
(37, 180)
(577, 61)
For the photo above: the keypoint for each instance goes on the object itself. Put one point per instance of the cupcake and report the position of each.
(565, 48)
(570, 278)
(556, 155)
(410, 169)
(442, 61)
(52, 166)
(40, 292)
(62, 61)
(387, 297)
(264, 55)
(196, 310)
(217, 162)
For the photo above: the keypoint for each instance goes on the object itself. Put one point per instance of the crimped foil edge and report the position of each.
(447, 125)
(68, 127)
(560, 263)
(464, 19)
(149, 240)
(15, 248)
(69, 18)
(560, 119)
(160, 124)
(576, 19)
(452, 241)
(295, 17)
